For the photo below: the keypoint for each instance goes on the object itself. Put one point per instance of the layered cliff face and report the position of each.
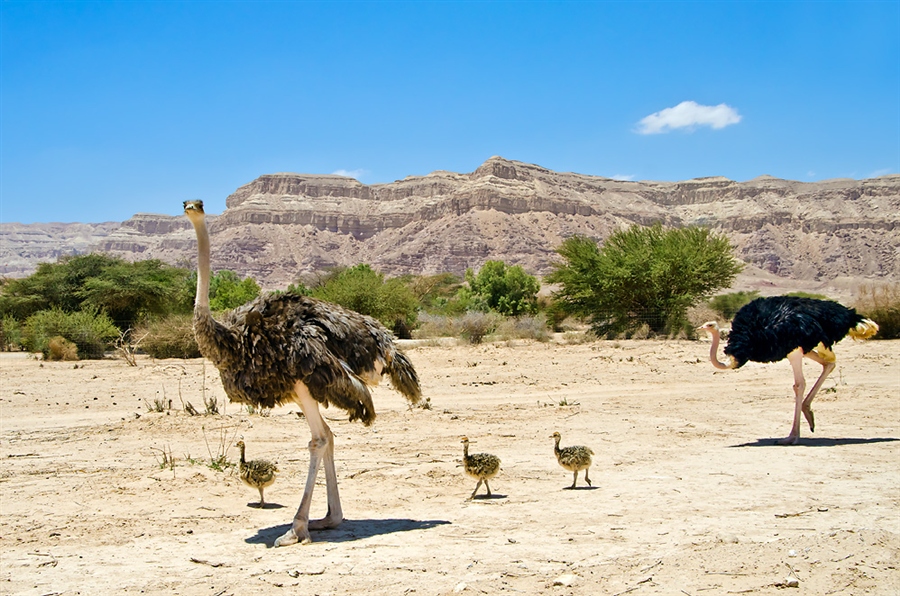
(23, 246)
(283, 225)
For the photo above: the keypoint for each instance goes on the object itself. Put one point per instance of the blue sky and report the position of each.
(114, 108)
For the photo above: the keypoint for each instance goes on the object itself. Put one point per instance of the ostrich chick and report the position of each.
(482, 466)
(574, 459)
(257, 473)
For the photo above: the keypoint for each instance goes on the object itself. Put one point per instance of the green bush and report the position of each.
(727, 305)
(227, 290)
(92, 332)
(642, 276)
(169, 337)
(366, 291)
(507, 290)
(881, 303)
(126, 292)
(10, 333)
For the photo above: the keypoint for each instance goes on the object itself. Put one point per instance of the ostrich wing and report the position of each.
(287, 338)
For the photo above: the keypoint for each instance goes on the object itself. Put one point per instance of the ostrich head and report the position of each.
(464, 440)
(709, 327)
(556, 437)
(194, 210)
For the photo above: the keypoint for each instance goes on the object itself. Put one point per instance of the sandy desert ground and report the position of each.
(690, 495)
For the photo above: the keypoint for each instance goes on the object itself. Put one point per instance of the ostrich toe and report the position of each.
(292, 537)
(810, 417)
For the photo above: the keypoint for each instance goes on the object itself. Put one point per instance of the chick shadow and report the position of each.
(255, 505)
(818, 442)
(349, 530)
(490, 497)
(580, 487)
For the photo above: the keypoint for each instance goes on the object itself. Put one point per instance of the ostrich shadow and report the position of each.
(818, 442)
(349, 530)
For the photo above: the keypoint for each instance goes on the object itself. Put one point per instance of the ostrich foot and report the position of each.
(810, 417)
(327, 522)
(293, 536)
(788, 440)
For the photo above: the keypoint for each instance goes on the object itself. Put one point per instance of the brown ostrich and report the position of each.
(282, 348)
(772, 329)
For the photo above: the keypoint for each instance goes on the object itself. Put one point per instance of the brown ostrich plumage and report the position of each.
(256, 473)
(574, 458)
(284, 347)
(482, 466)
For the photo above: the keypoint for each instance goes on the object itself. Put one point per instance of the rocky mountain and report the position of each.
(831, 233)
(23, 246)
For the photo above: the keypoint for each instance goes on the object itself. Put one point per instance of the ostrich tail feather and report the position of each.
(404, 378)
(864, 329)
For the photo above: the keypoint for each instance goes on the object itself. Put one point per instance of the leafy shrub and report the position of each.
(126, 292)
(727, 305)
(881, 303)
(227, 290)
(170, 337)
(10, 333)
(92, 332)
(507, 290)
(59, 348)
(364, 290)
(436, 293)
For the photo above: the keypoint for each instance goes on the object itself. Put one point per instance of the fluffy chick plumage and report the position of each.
(574, 458)
(482, 466)
(256, 473)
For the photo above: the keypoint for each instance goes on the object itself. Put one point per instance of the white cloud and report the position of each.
(881, 172)
(688, 114)
(622, 177)
(350, 173)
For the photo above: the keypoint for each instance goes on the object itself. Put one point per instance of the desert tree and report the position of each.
(642, 276)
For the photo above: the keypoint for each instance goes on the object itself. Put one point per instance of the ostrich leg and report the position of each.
(796, 360)
(321, 448)
(828, 365)
(475, 492)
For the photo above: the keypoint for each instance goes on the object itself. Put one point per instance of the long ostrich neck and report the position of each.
(466, 450)
(556, 445)
(714, 349)
(201, 302)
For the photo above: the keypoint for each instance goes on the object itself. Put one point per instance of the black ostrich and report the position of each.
(284, 348)
(772, 329)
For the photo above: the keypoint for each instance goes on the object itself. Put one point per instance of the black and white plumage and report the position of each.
(772, 329)
(574, 458)
(280, 348)
(482, 466)
(256, 473)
